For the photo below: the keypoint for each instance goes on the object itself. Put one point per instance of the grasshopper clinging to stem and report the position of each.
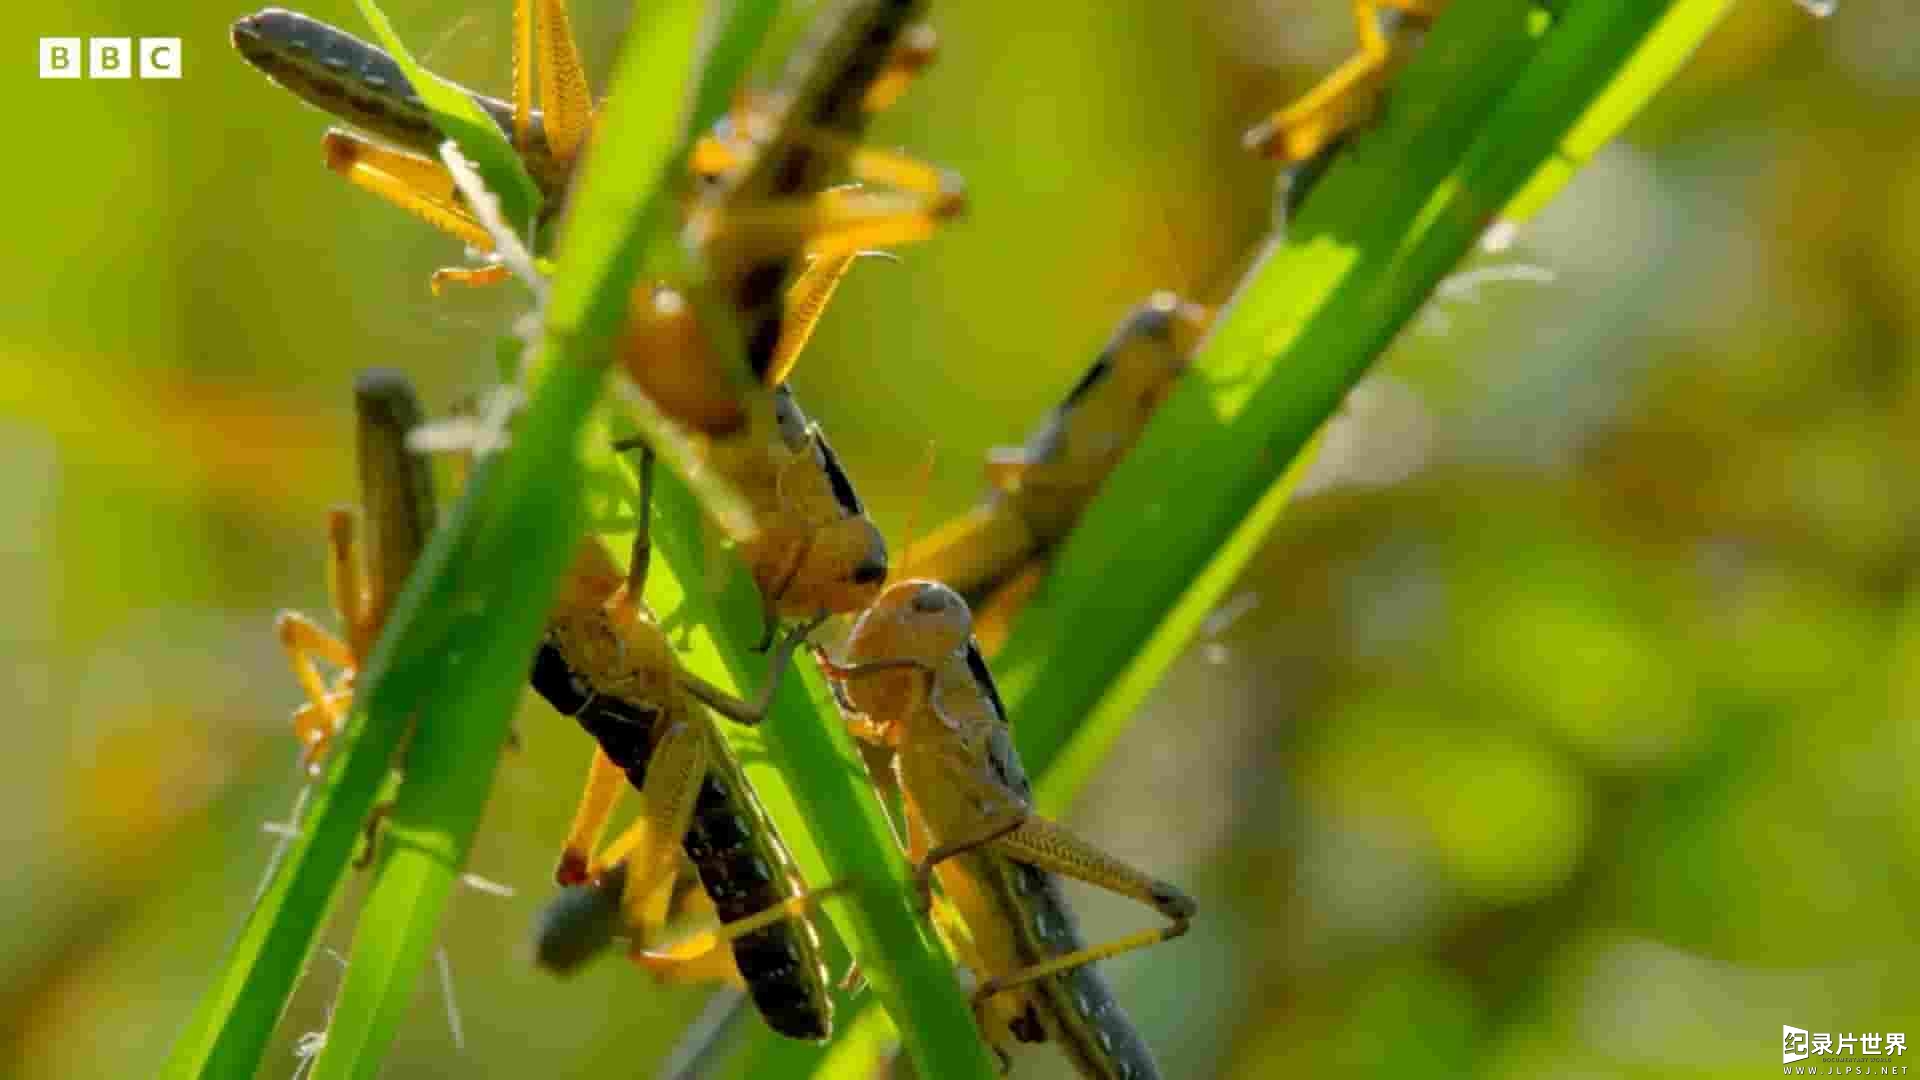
(606, 662)
(913, 680)
(396, 493)
(996, 554)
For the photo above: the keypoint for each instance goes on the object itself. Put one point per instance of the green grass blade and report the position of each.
(1072, 765)
(525, 530)
(524, 518)
(1681, 30)
(459, 119)
(230, 1031)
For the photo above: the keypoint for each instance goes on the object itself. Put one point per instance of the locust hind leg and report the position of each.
(650, 846)
(583, 921)
(902, 201)
(547, 53)
(1052, 848)
(829, 231)
(806, 303)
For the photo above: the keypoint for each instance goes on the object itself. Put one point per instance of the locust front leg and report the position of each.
(640, 559)
(304, 640)
(842, 222)
(946, 783)
(752, 712)
(897, 200)
(650, 847)
(325, 713)
(420, 186)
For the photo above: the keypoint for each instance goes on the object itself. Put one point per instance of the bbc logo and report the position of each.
(110, 58)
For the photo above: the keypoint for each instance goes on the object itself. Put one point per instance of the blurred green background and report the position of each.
(1570, 726)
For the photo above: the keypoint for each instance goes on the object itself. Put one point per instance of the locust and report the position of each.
(396, 493)
(996, 554)
(912, 679)
(764, 199)
(605, 661)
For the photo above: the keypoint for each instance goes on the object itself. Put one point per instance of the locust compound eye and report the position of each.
(1154, 318)
(872, 569)
(934, 599)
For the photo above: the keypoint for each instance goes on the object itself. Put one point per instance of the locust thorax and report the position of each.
(817, 551)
